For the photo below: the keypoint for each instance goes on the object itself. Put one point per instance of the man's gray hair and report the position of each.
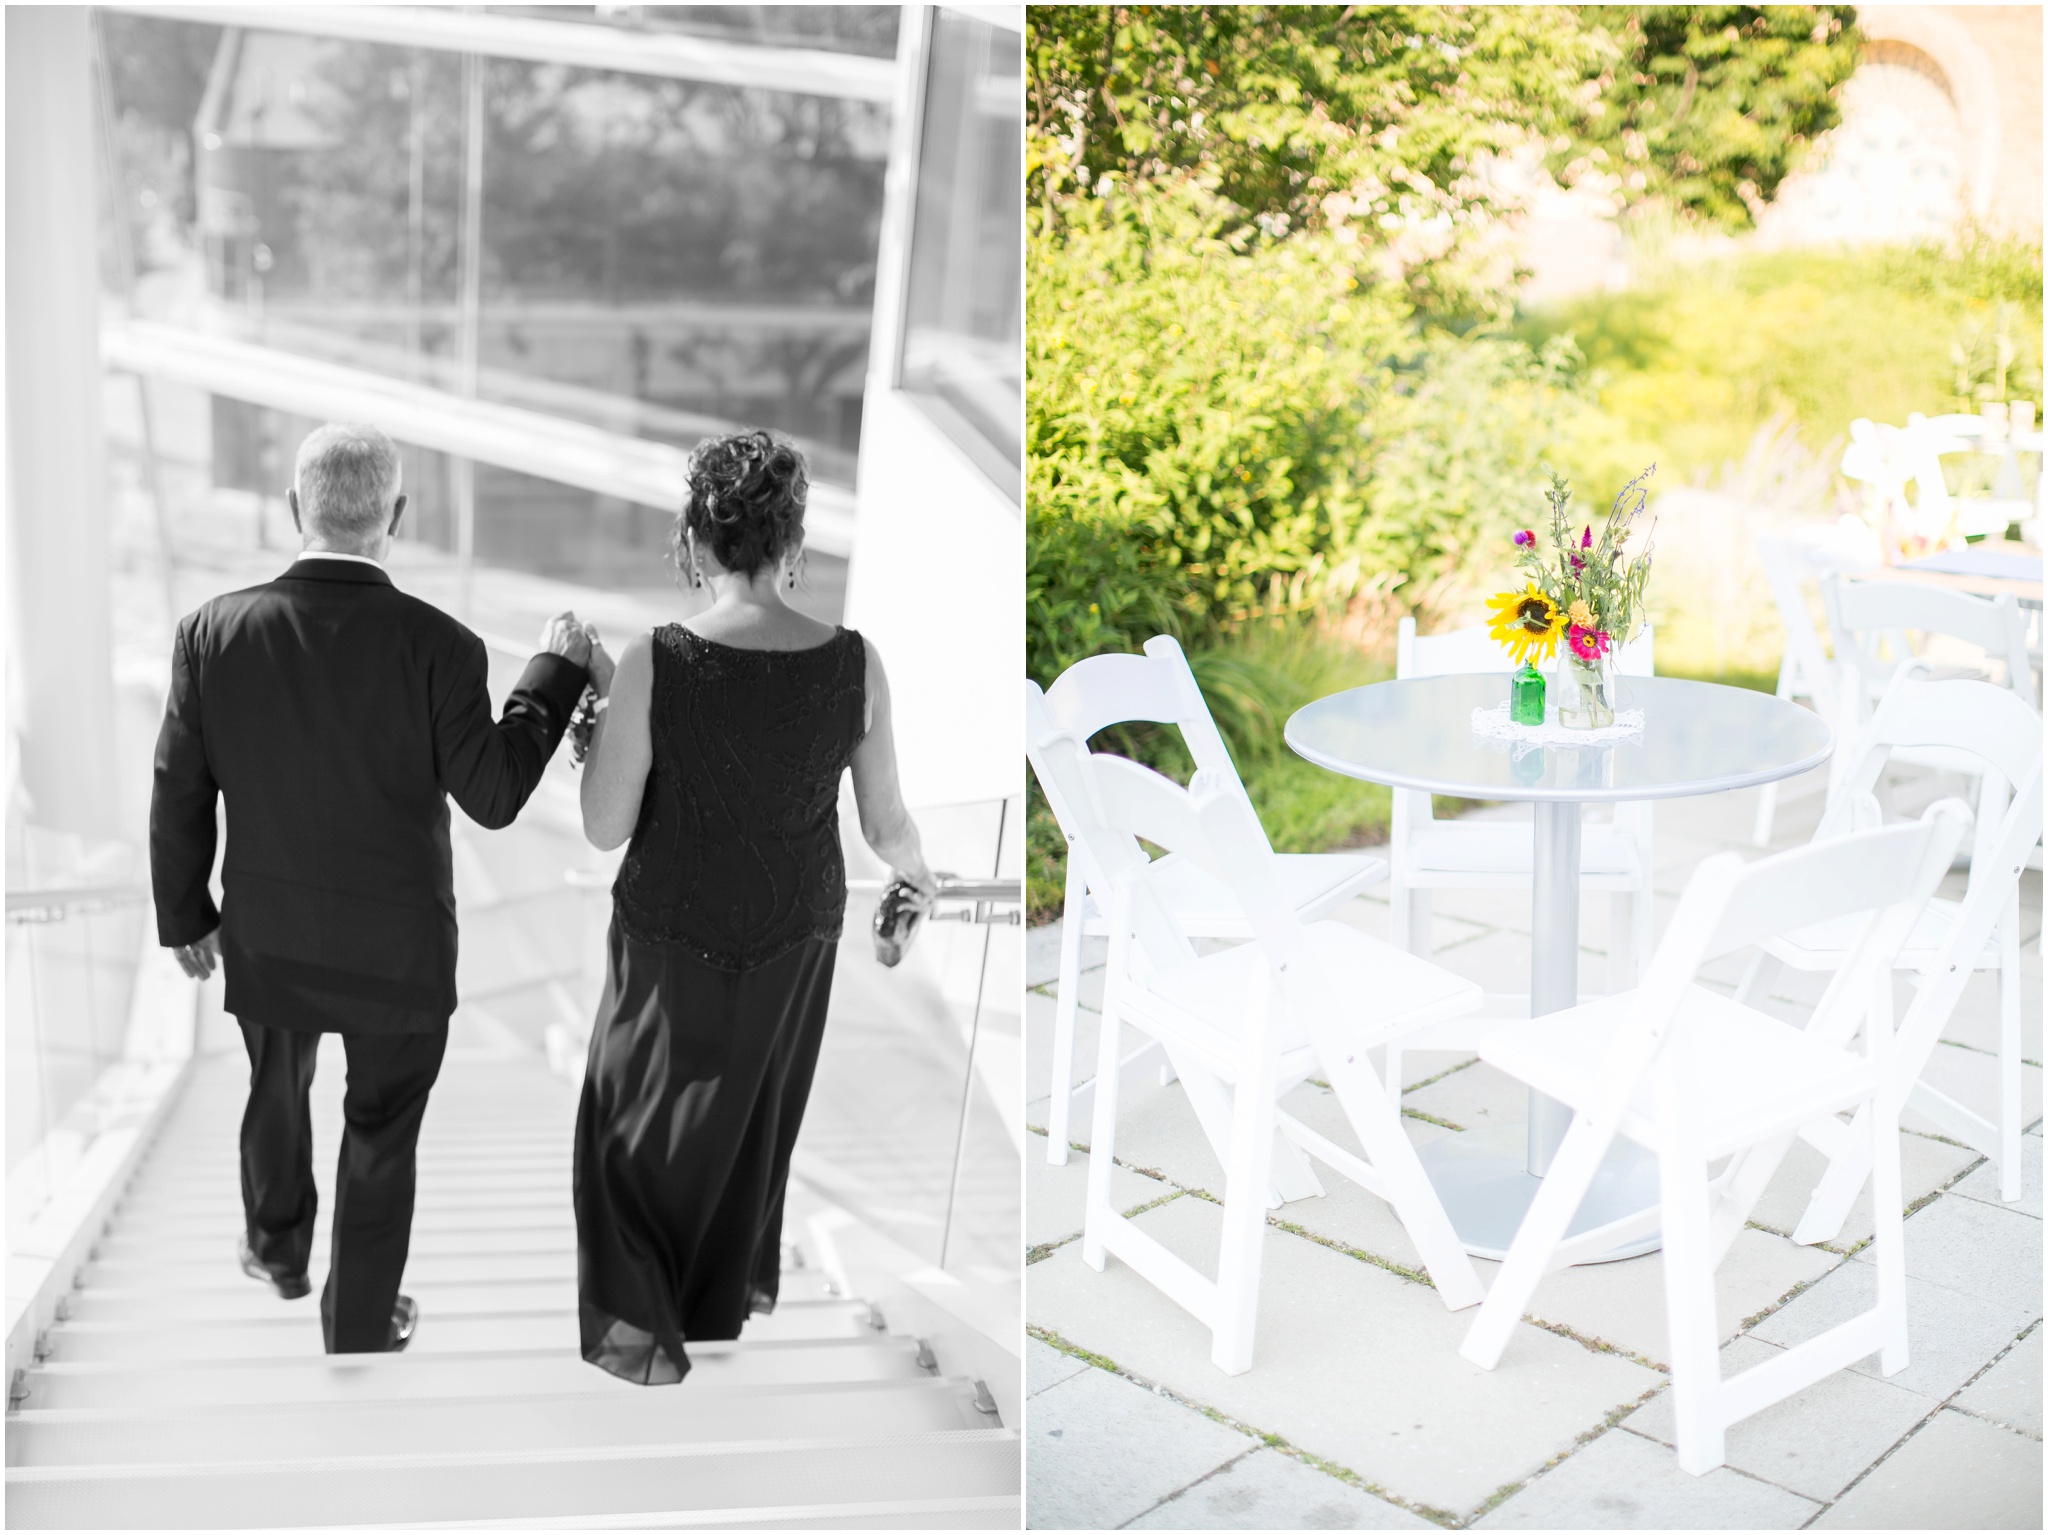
(347, 477)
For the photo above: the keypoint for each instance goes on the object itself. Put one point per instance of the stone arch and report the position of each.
(1929, 41)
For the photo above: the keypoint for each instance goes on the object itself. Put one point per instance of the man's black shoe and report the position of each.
(405, 1316)
(289, 1286)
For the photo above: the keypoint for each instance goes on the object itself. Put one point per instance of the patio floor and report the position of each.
(1380, 1425)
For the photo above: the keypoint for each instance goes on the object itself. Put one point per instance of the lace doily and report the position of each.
(1494, 725)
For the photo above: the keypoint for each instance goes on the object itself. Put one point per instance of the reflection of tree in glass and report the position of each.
(597, 186)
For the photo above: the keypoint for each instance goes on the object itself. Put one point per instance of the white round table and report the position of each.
(1697, 738)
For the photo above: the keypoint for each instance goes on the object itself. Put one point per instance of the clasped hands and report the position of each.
(564, 636)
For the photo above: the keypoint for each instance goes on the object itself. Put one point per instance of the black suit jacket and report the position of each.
(335, 714)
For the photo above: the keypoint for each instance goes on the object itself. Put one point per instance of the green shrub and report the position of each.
(1694, 358)
(1219, 430)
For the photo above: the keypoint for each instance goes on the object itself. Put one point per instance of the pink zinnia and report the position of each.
(1524, 539)
(1588, 644)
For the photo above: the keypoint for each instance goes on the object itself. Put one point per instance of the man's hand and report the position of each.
(564, 637)
(198, 959)
(600, 663)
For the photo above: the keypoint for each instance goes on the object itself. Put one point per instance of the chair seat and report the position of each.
(1824, 945)
(1315, 884)
(1509, 850)
(1371, 990)
(1748, 1076)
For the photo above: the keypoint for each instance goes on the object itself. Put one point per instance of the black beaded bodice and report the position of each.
(736, 854)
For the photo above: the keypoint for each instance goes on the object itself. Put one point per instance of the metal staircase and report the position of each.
(176, 1393)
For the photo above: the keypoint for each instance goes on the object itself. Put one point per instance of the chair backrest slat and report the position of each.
(1859, 610)
(1106, 854)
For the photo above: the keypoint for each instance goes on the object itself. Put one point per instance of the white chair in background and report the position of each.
(1928, 439)
(1952, 939)
(1158, 686)
(1697, 1078)
(1805, 671)
(1862, 614)
(1242, 1027)
(1428, 854)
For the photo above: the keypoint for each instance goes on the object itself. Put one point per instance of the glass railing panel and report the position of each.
(72, 958)
(662, 259)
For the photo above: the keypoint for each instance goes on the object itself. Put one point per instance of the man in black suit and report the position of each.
(334, 715)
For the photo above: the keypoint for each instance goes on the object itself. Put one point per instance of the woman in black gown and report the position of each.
(719, 751)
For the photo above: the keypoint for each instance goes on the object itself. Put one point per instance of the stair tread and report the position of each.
(529, 1484)
(331, 1430)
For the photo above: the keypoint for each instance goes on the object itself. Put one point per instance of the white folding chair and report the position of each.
(1953, 939)
(1428, 854)
(1698, 1078)
(1158, 686)
(1805, 671)
(1862, 613)
(1242, 1027)
(1928, 438)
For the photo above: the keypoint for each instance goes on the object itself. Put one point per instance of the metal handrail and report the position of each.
(60, 904)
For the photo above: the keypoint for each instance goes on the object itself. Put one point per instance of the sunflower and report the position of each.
(1527, 622)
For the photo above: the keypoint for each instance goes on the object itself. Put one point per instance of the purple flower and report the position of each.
(1587, 541)
(1524, 539)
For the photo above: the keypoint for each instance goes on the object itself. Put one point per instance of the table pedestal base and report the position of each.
(1483, 1179)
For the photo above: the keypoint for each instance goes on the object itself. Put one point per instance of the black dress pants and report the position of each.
(389, 1077)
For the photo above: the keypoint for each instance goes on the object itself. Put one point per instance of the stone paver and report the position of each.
(1983, 1183)
(1101, 1450)
(1950, 1335)
(1358, 1368)
(1924, 1166)
(1472, 1099)
(1622, 1481)
(1623, 1303)
(1384, 1395)
(1815, 1442)
(1983, 1250)
(1267, 1490)
(1970, 1077)
(1054, 1197)
(2010, 1391)
(1046, 1366)
(1958, 1473)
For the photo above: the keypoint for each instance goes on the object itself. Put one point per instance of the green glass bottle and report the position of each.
(1525, 695)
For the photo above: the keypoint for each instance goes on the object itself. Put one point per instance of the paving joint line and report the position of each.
(1437, 1516)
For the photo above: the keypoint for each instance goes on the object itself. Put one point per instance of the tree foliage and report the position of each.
(1710, 107)
(1393, 121)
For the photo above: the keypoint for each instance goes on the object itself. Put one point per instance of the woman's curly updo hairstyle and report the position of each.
(745, 503)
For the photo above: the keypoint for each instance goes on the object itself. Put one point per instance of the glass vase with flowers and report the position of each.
(1583, 594)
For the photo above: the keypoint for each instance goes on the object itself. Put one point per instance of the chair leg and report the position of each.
(1398, 914)
(1766, 813)
(1395, 1062)
(1418, 922)
(1550, 1214)
(2011, 1166)
(1102, 1143)
(1689, 1312)
(1377, 1123)
(1621, 940)
(1756, 971)
(1249, 1173)
(1058, 1118)
(1828, 1206)
(1889, 1200)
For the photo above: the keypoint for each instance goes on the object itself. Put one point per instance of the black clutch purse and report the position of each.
(898, 916)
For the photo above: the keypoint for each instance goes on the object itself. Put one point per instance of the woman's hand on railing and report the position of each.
(199, 959)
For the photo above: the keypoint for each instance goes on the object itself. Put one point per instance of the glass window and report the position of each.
(963, 316)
